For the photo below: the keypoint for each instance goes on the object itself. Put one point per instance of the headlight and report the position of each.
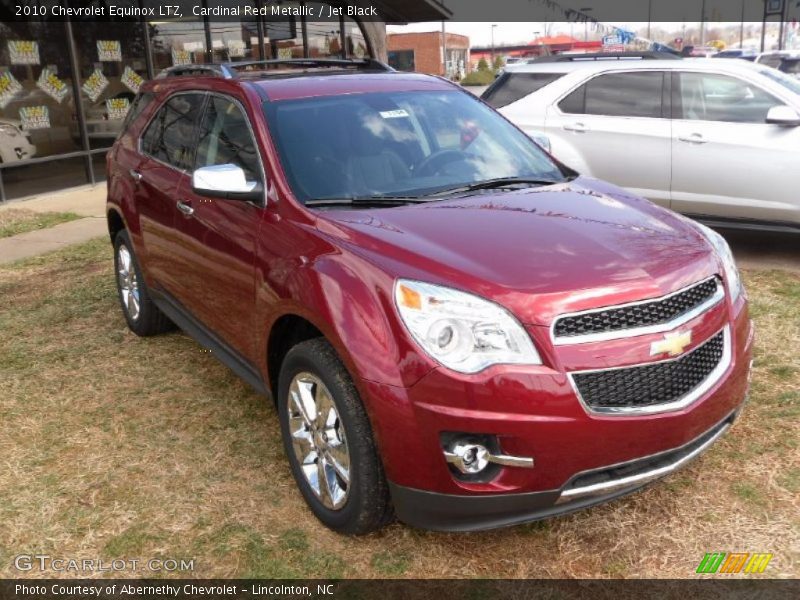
(461, 331)
(726, 256)
(8, 129)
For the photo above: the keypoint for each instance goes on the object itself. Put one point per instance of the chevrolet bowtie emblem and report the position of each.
(672, 344)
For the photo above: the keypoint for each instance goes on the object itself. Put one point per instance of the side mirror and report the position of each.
(226, 181)
(785, 116)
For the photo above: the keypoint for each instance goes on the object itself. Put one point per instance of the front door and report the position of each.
(727, 161)
(218, 236)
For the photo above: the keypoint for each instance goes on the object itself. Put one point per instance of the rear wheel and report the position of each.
(329, 443)
(142, 315)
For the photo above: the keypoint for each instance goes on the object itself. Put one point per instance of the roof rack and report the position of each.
(596, 56)
(231, 70)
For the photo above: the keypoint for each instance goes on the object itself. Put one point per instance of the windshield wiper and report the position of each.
(499, 182)
(365, 200)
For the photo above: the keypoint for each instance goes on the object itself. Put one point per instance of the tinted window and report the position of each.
(511, 87)
(575, 103)
(224, 138)
(771, 61)
(170, 135)
(707, 97)
(790, 66)
(141, 102)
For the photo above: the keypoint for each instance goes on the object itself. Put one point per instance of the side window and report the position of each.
(141, 102)
(170, 135)
(575, 103)
(709, 97)
(619, 95)
(511, 87)
(225, 138)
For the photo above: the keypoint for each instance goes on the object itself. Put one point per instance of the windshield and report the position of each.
(785, 80)
(402, 144)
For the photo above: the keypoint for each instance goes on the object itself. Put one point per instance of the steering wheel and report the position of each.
(431, 165)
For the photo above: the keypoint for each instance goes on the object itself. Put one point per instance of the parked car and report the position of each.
(785, 61)
(15, 143)
(454, 327)
(715, 139)
(99, 126)
(743, 53)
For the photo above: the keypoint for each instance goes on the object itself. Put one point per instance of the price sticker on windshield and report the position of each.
(394, 114)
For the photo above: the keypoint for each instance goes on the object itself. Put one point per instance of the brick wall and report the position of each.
(427, 48)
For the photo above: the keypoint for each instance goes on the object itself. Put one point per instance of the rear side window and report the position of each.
(791, 66)
(511, 87)
(170, 137)
(618, 95)
(140, 102)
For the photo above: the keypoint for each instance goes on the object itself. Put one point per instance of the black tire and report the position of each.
(367, 505)
(148, 319)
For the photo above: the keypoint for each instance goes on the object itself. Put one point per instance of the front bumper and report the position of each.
(450, 512)
(534, 412)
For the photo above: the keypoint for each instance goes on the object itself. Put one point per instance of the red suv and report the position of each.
(454, 327)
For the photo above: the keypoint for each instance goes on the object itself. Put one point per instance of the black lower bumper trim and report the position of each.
(450, 512)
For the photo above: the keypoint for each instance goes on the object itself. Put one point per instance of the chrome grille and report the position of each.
(638, 315)
(651, 385)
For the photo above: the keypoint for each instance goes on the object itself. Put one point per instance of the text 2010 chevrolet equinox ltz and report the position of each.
(455, 328)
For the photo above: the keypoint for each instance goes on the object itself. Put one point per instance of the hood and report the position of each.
(539, 252)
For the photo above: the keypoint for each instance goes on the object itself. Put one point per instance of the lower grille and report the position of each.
(650, 385)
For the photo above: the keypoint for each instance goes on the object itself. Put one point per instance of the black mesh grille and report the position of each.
(656, 312)
(648, 385)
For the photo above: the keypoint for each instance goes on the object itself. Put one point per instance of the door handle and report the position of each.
(185, 208)
(577, 127)
(694, 138)
(135, 175)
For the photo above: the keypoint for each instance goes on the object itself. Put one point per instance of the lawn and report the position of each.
(14, 221)
(114, 446)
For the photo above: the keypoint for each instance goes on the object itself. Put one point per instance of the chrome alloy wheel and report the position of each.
(318, 439)
(128, 283)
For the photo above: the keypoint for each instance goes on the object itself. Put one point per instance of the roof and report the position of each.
(712, 64)
(321, 85)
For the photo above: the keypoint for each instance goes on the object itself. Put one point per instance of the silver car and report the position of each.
(715, 139)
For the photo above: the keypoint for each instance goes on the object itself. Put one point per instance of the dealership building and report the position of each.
(66, 85)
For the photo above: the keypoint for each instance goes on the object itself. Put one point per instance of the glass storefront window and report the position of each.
(284, 38)
(324, 35)
(112, 65)
(36, 103)
(38, 110)
(234, 42)
(355, 42)
(177, 42)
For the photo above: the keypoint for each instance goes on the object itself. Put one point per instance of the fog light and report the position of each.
(471, 458)
(468, 458)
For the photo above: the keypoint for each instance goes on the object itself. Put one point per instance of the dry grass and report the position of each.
(117, 447)
(14, 221)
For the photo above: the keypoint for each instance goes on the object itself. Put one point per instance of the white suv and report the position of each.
(716, 139)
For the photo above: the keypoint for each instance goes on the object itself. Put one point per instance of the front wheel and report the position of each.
(328, 440)
(142, 315)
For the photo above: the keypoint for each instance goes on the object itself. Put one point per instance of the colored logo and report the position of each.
(672, 344)
(733, 562)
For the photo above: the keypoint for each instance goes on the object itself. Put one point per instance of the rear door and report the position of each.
(616, 127)
(727, 161)
(218, 236)
(167, 148)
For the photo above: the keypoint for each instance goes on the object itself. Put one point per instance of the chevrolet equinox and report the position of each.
(455, 328)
